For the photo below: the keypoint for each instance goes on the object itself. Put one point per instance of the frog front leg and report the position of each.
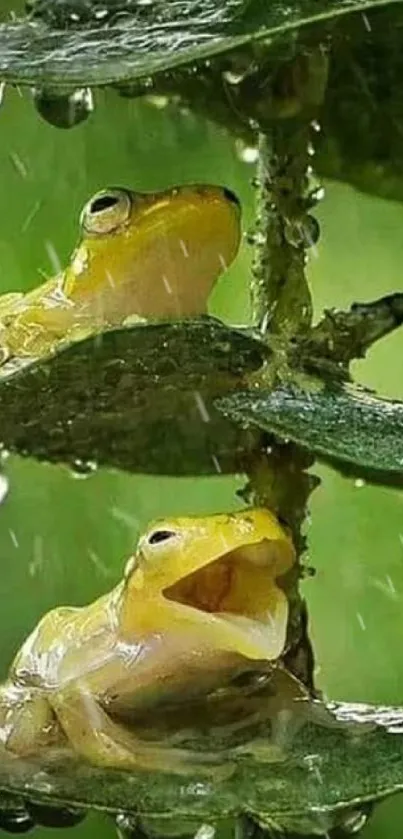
(97, 738)
(27, 722)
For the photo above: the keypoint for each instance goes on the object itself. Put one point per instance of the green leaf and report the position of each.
(360, 142)
(341, 423)
(333, 760)
(139, 399)
(145, 39)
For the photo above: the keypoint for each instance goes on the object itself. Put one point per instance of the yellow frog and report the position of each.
(198, 607)
(140, 257)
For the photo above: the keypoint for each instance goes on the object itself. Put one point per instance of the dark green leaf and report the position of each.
(142, 39)
(333, 760)
(361, 138)
(138, 399)
(342, 423)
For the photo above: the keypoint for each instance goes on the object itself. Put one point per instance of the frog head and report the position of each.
(153, 255)
(216, 574)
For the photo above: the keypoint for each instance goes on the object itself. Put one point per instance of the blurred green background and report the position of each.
(64, 540)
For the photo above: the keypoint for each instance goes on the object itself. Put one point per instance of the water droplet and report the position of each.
(64, 109)
(246, 153)
(159, 102)
(16, 821)
(303, 231)
(205, 831)
(255, 237)
(4, 487)
(233, 77)
(47, 816)
(4, 453)
(355, 820)
(317, 195)
(311, 230)
(127, 825)
(83, 468)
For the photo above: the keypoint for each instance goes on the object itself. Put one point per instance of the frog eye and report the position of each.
(158, 536)
(106, 211)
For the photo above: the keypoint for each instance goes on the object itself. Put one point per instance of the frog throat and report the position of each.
(232, 603)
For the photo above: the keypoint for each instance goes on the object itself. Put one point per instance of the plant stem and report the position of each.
(281, 300)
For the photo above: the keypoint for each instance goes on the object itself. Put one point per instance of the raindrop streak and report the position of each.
(216, 464)
(201, 406)
(19, 164)
(100, 566)
(31, 215)
(53, 257)
(126, 518)
(14, 539)
(367, 23)
(37, 562)
(64, 110)
(361, 621)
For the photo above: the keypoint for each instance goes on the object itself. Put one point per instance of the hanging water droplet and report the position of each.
(159, 102)
(356, 819)
(48, 816)
(83, 468)
(233, 77)
(127, 826)
(310, 230)
(62, 108)
(16, 821)
(315, 195)
(205, 831)
(302, 232)
(253, 124)
(4, 487)
(246, 153)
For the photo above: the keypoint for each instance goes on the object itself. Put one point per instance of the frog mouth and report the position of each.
(237, 599)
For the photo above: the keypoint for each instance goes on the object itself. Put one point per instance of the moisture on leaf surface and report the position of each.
(344, 423)
(332, 760)
(139, 399)
(69, 43)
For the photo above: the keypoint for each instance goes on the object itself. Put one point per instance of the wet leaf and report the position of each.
(341, 423)
(139, 399)
(333, 760)
(361, 139)
(75, 42)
